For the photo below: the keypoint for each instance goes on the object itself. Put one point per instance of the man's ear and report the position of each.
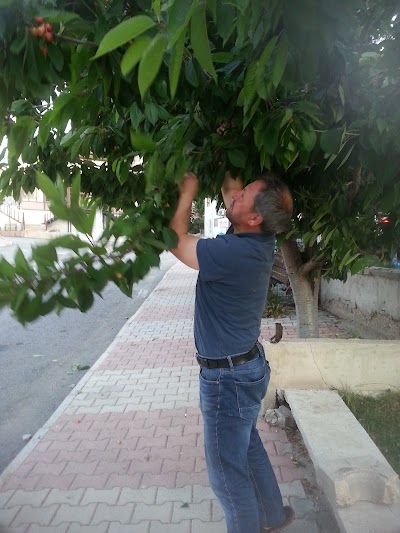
(255, 220)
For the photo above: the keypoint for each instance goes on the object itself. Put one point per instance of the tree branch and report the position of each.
(354, 185)
(310, 266)
(291, 256)
(61, 37)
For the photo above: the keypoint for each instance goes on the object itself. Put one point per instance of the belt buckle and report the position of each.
(202, 361)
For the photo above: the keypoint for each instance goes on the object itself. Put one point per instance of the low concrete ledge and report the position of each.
(359, 365)
(364, 517)
(350, 469)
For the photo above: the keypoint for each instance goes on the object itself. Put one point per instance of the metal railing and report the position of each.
(14, 216)
(48, 219)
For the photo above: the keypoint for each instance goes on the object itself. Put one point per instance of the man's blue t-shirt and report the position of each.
(231, 292)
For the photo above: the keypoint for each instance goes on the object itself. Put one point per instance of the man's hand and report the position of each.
(189, 186)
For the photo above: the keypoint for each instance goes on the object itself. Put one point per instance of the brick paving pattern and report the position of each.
(125, 452)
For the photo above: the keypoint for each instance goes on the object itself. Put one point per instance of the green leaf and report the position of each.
(151, 112)
(22, 267)
(178, 15)
(267, 52)
(56, 57)
(212, 7)
(249, 86)
(237, 158)
(142, 142)
(331, 140)
(85, 299)
(47, 186)
(76, 189)
(19, 43)
(66, 302)
(6, 269)
(45, 254)
(346, 156)
(308, 138)
(157, 8)
(136, 115)
(170, 237)
(225, 20)
(280, 61)
(123, 171)
(175, 64)
(199, 39)
(191, 74)
(134, 53)
(124, 32)
(363, 262)
(151, 63)
(69, 242)
(330, 161)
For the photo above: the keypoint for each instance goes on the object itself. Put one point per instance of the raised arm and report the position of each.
(186, 250)
(230, 185)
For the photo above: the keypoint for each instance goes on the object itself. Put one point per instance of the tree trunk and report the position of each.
(304, 280)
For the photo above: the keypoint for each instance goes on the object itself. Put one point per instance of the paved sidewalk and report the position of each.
(124, 452)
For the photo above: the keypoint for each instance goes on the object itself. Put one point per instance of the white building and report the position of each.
(215, 221)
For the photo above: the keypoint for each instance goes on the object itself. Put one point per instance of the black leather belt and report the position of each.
(224, 363)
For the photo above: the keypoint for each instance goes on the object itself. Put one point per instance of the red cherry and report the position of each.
(39, 20)
(48, 37)
(49, 27)
(41, 30)
(44, 51)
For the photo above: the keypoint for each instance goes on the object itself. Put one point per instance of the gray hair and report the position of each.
(275, 204)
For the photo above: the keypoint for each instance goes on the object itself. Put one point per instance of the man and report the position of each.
(234, 271)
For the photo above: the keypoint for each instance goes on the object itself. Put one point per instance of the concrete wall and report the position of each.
(373, 296)
(358, 365)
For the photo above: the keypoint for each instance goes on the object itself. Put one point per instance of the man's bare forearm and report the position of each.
(186, 249)
(180, 221)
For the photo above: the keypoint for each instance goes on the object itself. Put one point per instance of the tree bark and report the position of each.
(304, 280)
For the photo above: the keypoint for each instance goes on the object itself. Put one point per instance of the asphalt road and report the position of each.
(39, 362)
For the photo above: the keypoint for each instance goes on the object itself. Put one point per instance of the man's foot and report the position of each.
(289, 517)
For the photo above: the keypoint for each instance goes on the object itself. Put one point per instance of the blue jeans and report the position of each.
(238, 466)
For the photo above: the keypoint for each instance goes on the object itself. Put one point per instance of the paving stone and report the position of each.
(209, 527)
(8, 515)
(202, 511)
(23, 497)
(85, 481)
(183, 495)
(303, 526)
(34, 515)
(4, 497)
(202, 493)
(128, 495)
(122, 513)
(108, 496)
(71, 497)
(34, 528)
(182, 527)
(217, 514)
(303, 507)
(76, 527)
(117, 527)
(161, 512)
(295, 488)
(69, 513)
